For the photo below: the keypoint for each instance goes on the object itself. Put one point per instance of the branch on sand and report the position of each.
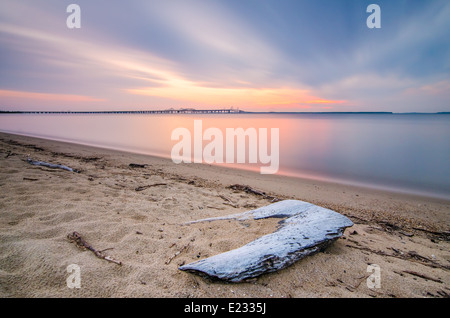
(229, 202)
(80, 242)
(423, 276)
(142, 188)
(177, 253)
(411, 256)
(247, 189)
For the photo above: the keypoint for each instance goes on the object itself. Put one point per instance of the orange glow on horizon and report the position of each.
(242, 97)
(47, 96)
(325, 101)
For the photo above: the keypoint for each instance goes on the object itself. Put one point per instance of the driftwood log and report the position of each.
(51, 165)
(307, 229)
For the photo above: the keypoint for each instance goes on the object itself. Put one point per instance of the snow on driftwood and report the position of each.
(307, 229)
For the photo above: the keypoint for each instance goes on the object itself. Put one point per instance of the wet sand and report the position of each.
(136, 215)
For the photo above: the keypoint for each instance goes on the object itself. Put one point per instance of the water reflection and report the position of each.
(398, 151)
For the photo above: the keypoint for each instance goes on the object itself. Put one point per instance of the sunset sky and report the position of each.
(258, 55)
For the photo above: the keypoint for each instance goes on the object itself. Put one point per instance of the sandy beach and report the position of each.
(136, 214)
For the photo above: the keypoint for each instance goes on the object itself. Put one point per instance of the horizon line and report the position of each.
(203, 111)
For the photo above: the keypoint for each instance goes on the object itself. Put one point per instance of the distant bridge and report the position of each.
(166, 111)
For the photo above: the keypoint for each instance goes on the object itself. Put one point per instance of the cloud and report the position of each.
(66, 65)
(438, 88)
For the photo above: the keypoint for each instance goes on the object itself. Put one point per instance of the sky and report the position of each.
(255, 55)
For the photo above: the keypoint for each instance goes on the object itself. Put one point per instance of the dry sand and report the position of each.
(407, 236)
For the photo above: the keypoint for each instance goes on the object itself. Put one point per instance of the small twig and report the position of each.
(361, 279)
(149, 186)
(30, 179)
(80, 242)
(229, 202)
(137, 165)
(248, 189)
(177, 253)
(410, 256)
(106, 249)
(9, 154)
(445, 235)
(213, 207)
(423, 276)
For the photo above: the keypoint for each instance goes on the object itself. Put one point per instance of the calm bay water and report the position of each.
(405, 152)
